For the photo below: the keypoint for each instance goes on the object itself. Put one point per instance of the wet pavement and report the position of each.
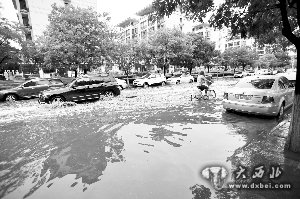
(146, 143)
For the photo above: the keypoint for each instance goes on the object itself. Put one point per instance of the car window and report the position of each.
(281, 84)
(56, 81)
(285, 81)
(177, 75)
(29, 84)
(42, 82)
(96, 81)
(256, 83)
(83, 82)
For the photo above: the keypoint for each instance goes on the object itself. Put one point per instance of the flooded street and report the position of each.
(146, 143)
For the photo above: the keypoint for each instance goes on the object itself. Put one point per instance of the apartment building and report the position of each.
(33, 14)
(222, 38)
(143, 25)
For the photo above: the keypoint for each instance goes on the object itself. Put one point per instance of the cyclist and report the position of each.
(203, 82)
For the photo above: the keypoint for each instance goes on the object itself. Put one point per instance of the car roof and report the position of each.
(289, 76)
(262, 77)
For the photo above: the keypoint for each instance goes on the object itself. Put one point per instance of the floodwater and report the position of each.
(147, 143)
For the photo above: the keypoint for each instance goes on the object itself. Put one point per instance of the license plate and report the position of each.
(245, 97)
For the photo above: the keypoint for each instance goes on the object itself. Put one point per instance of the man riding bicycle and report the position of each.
(203, 82)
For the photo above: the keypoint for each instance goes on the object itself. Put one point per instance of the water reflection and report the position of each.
(78, 148)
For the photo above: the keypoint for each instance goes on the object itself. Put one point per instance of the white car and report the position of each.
(262, 72)
(122, 83)
(180, 78)
(150, 79)
(266, 94)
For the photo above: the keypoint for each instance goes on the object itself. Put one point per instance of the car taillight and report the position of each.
(267, 99)
(225, 96)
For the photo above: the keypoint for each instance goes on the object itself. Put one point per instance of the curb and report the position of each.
(281, 130)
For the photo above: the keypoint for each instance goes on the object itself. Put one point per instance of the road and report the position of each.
(145, 143)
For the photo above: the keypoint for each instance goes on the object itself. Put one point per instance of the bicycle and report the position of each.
(211, 94)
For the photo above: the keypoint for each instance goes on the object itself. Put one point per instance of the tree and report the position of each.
(10, 41)
(166, 44)
(254, 19)
(32, 52)
(267, 60)
(204, 50)
(76, 37)
(125, 55)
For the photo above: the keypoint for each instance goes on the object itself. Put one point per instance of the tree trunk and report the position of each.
(293, 139)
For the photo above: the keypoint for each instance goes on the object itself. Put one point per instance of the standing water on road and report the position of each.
(154, 145)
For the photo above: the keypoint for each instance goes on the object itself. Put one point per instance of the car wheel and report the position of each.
(57, 100)
(145, 85)
(191, 81)
(163, 83)
(177, 82)
(281, 112)
(11, 98)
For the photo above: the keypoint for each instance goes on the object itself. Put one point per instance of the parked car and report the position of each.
(238, 74)
(29, 89)
(150, 79)
(180, 78)
(122, 83)
(267, 95)
(263, 72)
(248, 73)
(82, 89)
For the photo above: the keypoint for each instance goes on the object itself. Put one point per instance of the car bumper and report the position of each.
(261, 109)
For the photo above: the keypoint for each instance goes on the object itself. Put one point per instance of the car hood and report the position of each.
(14, 89)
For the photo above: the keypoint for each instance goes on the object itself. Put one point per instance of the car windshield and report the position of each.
(70, 83)
(146, 76)
(256, 83)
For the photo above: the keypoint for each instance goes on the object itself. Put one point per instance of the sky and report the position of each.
(121, 9)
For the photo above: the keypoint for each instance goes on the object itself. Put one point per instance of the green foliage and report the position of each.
(76, 37)
(236, 57)
(266, 60)
(169, 46)
(10, 40)
(203, 51)
(125, 55)
(257, 18)
(145, 11)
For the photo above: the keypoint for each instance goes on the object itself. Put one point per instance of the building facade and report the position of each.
(33, 14)
(222, 38)
(142, 28)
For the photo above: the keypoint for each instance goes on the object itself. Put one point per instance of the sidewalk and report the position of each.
(267, 149)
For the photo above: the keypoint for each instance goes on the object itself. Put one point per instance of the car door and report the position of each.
(41, 85)
(79, 90)
(27, 89)
(97, 87)
(152, 79)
